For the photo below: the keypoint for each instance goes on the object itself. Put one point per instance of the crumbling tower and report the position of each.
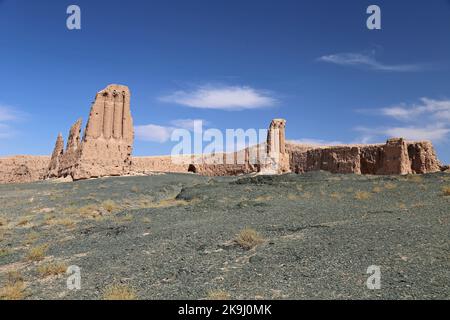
(277, 160)
(105, 149)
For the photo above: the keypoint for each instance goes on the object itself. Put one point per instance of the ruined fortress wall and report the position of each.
(397, 156)
(23, 169)
(145, 165)
(221, 164)
(106, 146)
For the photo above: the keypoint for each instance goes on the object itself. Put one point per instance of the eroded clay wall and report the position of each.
(23, 169)
(397, 156)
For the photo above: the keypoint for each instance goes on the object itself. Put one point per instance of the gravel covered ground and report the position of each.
(174, 236)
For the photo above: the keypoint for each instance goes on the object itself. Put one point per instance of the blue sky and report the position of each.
(234, 64)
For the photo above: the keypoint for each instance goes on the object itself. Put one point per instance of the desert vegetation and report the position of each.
(249, 238)
(362, 195)
(51, 269)
(446, 191)
(37, 253)
(218, 295)
(119, 292)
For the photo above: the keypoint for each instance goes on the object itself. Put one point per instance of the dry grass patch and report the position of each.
(165, 203)
(4, 252)
(377, 190)
(37, 253)
(119, 292)
(3, 222)
(90, 210)
(66, 222)
(125, 218)
(51, 269)
(110, 206)
(402, 206)
(390, 186)
(336, 196)
(446, 191)
(414, 178)
(307, 195)
(31, 238)
(263, 199)
(14, 276)
(249, 238)
(218, 295)
(362, 195)
(293, 197)
(146, 220)
(23, 222)
(13, 291)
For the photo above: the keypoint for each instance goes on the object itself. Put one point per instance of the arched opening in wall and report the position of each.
(192, 168)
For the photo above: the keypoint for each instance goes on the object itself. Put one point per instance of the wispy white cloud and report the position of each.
(189, 124)
(153, 133)
(438, 110)
(161, 134)
(368, 61)
(410, 132)
(229, 98)
(5, 131)
(427, 120)
(8, 114)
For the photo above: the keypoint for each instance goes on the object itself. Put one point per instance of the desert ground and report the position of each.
(183, 236)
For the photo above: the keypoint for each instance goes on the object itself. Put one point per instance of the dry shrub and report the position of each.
(146, 220)
(307, 195)
(126, 218)
(362, 195)
(263, 199)
(109, 206)
(293, 197)
(165, 203)
(31, 238)
(23, 222)
(14, 276)
(70, 210)
(51, 269)
(446, 191)
(414, 178)
(13, 291)
(4, 252)
(402, 206)
(37, 253)
(249, 238)
(90, 210)
(218, 295)
(336, 196)
(66, 222)
(14, 288)
(119, 292)
(377, 190)
(390, 186)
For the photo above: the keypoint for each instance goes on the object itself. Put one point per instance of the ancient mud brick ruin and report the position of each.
(277, 160)
(105, 149)
(106, 146)
(396, 157)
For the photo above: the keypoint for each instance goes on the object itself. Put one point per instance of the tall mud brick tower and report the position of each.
(277, 156)
(105, 149)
